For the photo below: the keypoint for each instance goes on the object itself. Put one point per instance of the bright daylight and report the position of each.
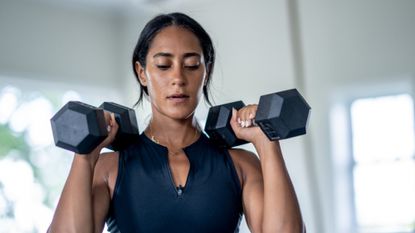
(384, 172)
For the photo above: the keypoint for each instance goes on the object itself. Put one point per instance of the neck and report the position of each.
(173, 133)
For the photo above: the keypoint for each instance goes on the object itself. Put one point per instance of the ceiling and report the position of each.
(117, 5)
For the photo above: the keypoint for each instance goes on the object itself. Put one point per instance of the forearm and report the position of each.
(74, 210)
(281, 212)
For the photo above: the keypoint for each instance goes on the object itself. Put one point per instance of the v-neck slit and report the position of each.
(178, 188)
(179, 192)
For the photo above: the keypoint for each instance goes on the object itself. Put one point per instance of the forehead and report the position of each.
(176, 40)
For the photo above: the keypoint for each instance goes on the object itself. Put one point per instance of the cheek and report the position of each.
(156, 83)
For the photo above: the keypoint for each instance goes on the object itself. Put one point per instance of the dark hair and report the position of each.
(177, 19)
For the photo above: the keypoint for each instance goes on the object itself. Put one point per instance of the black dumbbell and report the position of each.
(280, 115)
(81, 127)
(127, 125)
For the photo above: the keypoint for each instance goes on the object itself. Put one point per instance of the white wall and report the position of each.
(63, 44)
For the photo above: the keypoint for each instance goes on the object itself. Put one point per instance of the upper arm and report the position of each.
(103, 183)
(249, 168)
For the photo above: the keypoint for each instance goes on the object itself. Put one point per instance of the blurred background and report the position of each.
(354, 62)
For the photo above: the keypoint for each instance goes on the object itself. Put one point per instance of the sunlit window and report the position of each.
(384, 164)
(31, 167)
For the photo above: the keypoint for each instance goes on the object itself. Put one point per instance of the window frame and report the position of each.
(341, 99)
(353, 162)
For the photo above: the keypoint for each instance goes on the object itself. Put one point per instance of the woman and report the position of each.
(174, 179)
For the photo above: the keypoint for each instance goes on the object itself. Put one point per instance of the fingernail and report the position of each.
(239, 120)
(251, 115)
(108, 128)
(248, 123)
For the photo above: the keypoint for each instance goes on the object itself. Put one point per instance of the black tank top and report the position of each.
(145, 199)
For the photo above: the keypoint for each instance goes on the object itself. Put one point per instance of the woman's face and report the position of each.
(175, 72)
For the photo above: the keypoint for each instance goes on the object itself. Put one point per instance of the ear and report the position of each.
(139, 69)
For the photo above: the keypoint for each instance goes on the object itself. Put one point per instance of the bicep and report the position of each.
(100, 206)
(252, 188)
(253, 199)
(101, 196)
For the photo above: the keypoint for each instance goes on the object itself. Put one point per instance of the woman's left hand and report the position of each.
(242, 123)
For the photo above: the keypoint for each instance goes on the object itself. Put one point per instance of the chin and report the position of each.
(180, 113)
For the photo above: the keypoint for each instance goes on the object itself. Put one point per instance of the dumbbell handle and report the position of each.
(80, 127)
(125, 117)
(280, 115)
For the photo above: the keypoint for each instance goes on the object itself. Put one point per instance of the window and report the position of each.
(383, 166)
(32, 169)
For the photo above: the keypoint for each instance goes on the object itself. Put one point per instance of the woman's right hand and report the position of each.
(112, 128)
(75, 210)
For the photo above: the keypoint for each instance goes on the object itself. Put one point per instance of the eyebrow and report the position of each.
(162, 54)
(186, 55)
(191, 55)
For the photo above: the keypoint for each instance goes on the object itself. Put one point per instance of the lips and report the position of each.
(177, 96)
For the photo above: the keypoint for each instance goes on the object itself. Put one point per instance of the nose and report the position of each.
(178, 77)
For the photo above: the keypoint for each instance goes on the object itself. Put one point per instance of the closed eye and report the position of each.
(163, 67)
(194, 67)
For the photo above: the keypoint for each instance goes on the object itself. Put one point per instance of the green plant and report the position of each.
(12, 141)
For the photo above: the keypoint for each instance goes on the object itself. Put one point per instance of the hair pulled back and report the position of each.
(173, 19)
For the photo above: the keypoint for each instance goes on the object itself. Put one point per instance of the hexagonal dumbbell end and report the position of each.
(218, 125)
(79, 127)
(128, 129)
(283, 114)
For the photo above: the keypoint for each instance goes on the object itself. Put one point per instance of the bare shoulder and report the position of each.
(106, 170)
(107, 163)
(243, 156)
(105, 173)
(246, 163)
